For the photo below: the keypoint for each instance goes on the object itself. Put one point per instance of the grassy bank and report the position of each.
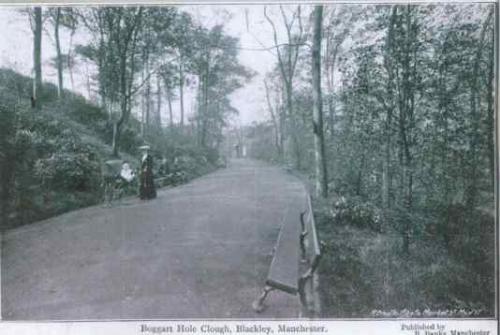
(364, 273)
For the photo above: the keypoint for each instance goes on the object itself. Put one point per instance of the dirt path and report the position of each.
(201, 250)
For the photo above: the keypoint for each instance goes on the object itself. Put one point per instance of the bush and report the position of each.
(363, 272)
(354, 211)
(69, 171)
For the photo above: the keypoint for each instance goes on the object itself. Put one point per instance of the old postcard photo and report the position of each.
(249, 161)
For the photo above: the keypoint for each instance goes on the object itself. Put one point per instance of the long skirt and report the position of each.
(147, 188)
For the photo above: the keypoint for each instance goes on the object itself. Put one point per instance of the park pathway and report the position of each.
(201, 250)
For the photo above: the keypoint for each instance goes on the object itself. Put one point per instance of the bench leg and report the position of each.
(306, 310)
(108, 195)
(303, 247)
(308, 276)
(303, 235)
(273, 251)
(258, 305)
(302, 296)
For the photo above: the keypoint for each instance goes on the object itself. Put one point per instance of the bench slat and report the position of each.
(284, 269)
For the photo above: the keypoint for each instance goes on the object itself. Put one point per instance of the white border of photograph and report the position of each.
(379, 326)
(235, 327)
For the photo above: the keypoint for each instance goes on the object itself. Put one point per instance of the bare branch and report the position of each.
(275, 36)
(264, 48)
(300, 36)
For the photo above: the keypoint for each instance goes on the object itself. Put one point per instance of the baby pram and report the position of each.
(118, 178)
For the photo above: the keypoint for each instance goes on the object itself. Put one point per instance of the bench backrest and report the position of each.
(312, 247)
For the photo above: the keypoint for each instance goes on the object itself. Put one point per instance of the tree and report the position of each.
(276, 119)
(115, 50)
(287, 62)
(60, 82)
(215, 62)
(182, 34)
(339, 22)
(319, 140)
(62, 17)
(37, 56)
(169, 78)
(164, 43)
(475, 102)
(157, 116)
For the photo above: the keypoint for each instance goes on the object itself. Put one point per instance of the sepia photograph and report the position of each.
(248, 161)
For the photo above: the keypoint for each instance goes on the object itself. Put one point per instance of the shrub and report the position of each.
(364, 273)
(69, 171)
(354, 211)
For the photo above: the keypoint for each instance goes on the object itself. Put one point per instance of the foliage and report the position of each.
(356, 212)
(68, 171)
(363, 274)
(51, 160)
(258, 136)
(409, 110)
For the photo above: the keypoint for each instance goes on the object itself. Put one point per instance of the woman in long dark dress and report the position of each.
(147, 188)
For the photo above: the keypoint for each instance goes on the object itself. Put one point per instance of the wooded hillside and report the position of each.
(138, 61)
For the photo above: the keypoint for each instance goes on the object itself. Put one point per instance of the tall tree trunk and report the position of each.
(409, 135)
(490, 120)
(148, 99)
(37, 57)
(292, 126)
(442, 125)
(406, 93)
(281, 117)
(331, 91)
(114, 143)
(407, 112)
(272, 112)
(181, 92)
(87, 81)
(359, 178)
(70, 59)
(170, 111)
(204, 119)
(101, 63)
(287, 69)
(143, 105)
(124, 108)
(319, 141)
(60, 83)
(389, 105)
(7, 161)
(158, 101)
(475, 104)
(126, 51)
(473, 142)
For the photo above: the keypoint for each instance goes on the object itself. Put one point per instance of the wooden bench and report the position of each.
(297, 243)
(160, 182)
